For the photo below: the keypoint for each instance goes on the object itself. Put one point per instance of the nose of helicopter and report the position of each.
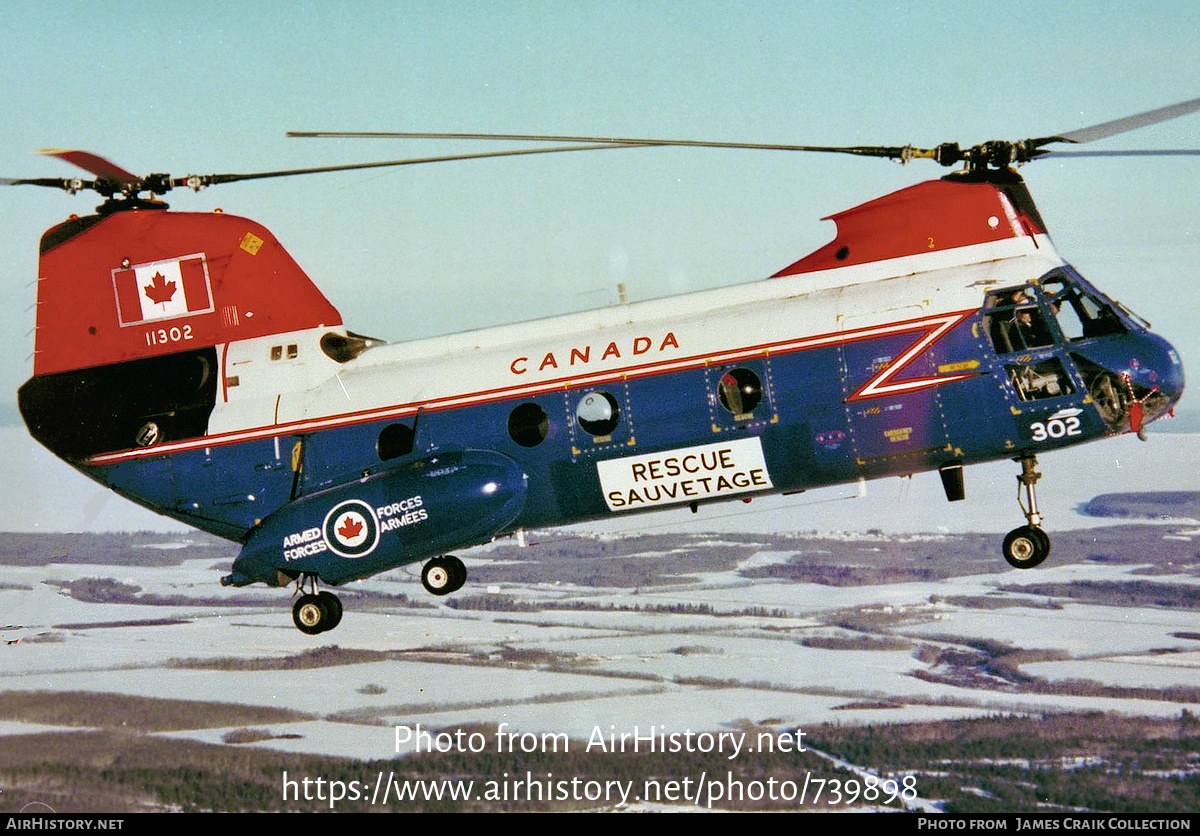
(1155, 375)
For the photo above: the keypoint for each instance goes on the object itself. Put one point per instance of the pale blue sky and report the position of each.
(213, 87)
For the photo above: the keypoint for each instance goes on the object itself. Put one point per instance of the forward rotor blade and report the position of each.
(995, 153)
(1166, 152)
(1129, 123)
(891, 152)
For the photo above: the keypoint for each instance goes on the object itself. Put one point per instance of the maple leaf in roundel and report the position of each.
(350, 528)
(159, 290)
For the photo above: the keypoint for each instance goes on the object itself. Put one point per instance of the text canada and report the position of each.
(588, 354)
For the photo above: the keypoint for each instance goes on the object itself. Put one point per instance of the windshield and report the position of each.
(1081, 311)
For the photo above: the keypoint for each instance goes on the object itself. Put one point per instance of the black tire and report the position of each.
(437, 575)
(333, 606)
(1026, 547)
(310, 615)
(458, 570)
(1045, 542)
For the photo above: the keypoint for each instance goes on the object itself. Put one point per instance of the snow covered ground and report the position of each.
(573, 671)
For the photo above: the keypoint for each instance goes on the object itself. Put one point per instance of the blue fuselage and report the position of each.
(878, 396)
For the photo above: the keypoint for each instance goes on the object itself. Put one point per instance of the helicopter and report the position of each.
(187, 362)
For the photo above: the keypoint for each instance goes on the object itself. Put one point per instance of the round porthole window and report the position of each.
(395, 440)
(528, 425)
(598, 413)
(739, 391)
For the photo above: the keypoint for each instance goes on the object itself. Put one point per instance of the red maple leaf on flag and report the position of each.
(350, 528)
(160, 290)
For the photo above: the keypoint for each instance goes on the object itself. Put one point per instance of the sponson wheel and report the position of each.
(333, 606)
(457, 570)
(314, 614)
(1026, 547)
(310, 615)
(443, 575)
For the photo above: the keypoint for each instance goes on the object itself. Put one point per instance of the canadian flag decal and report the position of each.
(170, 289)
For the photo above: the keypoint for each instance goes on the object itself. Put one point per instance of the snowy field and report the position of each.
(571, 671)
(744, 648)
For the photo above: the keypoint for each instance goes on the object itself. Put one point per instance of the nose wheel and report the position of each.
(443, 575)
(1029, 545)
(1026, 547)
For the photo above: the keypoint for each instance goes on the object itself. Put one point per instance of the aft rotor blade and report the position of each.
(52, 182)
(116, 180)
(202, 180)
(91, 162)
(1129, 123)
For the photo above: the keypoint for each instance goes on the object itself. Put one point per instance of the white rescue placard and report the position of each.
(688, 474)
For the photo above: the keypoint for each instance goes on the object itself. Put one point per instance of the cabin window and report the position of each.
(276, 352)
(598, 413)
(740, 391)
(528, 425)
(395, 440)
(293, 351)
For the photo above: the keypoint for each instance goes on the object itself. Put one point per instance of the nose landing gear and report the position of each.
(1027, 546)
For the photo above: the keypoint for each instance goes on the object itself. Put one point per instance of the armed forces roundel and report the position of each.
(351, 529)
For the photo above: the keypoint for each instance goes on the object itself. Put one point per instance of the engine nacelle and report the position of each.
(423, 507)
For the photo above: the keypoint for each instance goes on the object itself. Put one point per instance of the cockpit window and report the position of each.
(1081, 315)
(1015, 322)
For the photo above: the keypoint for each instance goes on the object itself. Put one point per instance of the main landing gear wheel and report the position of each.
(333, 606)
(1026, 547)
(443, 575)
(313, 614)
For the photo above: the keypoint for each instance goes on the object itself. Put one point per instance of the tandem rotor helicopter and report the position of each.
(188, 363)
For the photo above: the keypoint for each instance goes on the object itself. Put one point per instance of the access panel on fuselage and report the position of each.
(889, 386)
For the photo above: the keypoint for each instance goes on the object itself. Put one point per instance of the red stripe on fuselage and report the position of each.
(195, 284)
(883, 383)
(129, 307)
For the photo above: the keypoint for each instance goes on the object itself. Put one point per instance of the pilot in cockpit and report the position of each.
(1024, 328)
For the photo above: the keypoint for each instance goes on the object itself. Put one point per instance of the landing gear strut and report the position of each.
(443, 575)
(1027, 546)
(315, 612)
